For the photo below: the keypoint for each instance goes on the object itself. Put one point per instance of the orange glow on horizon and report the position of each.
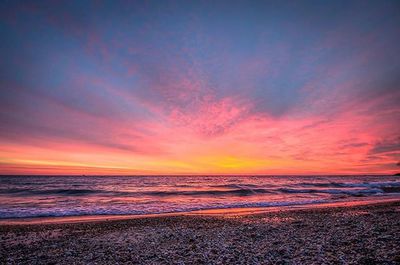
(288, 148)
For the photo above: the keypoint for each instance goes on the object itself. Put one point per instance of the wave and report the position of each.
(334, 188)
(83, 192)
(391, 189)
(71, 192)
(126, 211)
(359, 192)
(236, 186)
(352, 185)
(242, 192)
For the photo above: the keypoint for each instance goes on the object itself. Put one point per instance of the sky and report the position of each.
(199, 87)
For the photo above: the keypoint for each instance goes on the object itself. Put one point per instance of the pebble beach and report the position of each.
(364, 234)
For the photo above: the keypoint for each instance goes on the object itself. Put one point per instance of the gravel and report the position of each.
(368, 234)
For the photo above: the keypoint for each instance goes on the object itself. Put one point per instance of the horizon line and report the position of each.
(189, 175)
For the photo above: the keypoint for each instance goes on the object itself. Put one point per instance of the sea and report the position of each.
(45, 196)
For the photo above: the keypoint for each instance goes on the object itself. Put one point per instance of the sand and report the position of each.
(362, 234)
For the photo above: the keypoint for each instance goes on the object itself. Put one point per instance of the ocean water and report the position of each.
(32, 196)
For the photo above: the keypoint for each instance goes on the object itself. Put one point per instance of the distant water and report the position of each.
(31, 196)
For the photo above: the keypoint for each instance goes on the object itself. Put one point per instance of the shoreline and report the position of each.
(346, 234)
(235, 211)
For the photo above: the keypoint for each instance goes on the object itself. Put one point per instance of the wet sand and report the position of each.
(343, 234)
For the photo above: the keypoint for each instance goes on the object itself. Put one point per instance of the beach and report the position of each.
(341, 234)
(199, 132)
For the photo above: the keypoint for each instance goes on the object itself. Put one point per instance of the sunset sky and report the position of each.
(199, 87)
